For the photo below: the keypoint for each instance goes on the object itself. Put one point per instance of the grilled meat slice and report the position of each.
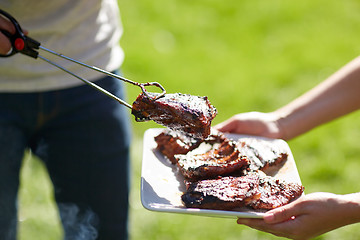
(224, 194)
(261, 153)
(184, 113)
(276, 193)
(221, 160)
(170, 143)
(251, 190)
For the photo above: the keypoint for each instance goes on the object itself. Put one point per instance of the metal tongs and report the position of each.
(28, 46)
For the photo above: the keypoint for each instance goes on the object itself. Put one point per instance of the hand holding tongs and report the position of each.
(28, 46)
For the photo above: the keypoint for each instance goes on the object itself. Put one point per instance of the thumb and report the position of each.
(5, 45)
(282, 214)
(231, 125)
(226, 126)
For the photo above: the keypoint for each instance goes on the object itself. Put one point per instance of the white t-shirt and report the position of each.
(86, 30)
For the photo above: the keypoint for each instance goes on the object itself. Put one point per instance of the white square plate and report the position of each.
(162, 185)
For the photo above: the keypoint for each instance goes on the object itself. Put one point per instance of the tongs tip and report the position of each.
(143, 85)
(141, 116)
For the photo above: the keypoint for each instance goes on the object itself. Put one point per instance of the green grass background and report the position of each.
(245, 56)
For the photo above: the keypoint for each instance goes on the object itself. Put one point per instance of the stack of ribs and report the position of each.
(186, 114)
(225, 174)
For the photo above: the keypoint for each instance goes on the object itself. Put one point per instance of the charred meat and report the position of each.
(224, 193)
(222, 157)
(184, 113)
(261, 153)
(170, 143)
(251, 190)
(275, 193)
(221, 160)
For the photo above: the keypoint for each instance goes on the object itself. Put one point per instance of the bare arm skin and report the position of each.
(336, 96)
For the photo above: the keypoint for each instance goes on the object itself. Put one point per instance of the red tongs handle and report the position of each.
(19, 41)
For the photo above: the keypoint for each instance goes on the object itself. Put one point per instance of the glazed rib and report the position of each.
(170, 143)
(223, 194)
(261, 153)
(184, 113)
(251, 190)
(276, 193)
(223, 159)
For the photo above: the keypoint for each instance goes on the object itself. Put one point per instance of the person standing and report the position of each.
(81, 135)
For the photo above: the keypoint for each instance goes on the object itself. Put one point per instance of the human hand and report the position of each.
(5, 45)
(252, 123)
(309, 216)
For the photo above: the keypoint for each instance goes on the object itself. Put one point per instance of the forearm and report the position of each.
(335, 97)
(352, 207)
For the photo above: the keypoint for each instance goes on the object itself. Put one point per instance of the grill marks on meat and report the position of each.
(252, 190)
(184, 113)
(276, 193)
(170, 143)
(225, 193)
(218, 156)
(262, 154)
(223, 157)
(219, 161)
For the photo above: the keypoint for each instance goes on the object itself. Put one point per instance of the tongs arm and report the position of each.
(87, 82)
(141, 85)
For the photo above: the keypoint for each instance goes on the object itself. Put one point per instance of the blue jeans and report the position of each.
(83, 138)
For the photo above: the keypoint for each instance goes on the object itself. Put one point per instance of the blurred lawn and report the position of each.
(245, 56)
